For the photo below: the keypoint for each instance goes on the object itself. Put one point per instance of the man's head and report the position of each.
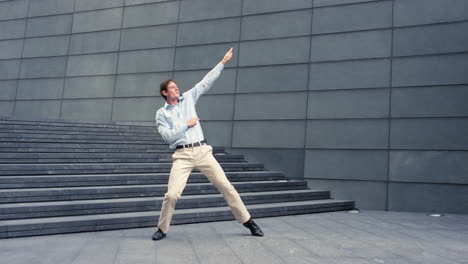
(169, 90)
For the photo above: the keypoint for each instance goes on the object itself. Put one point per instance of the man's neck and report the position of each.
(172, 101)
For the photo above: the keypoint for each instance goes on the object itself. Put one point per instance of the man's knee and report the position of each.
(172, 197)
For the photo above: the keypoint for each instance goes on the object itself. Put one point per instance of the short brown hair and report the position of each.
(163, 87)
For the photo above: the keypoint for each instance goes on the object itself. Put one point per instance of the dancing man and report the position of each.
(178, 123)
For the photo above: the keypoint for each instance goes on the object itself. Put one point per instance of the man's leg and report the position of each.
(181, 167)
(209, 166)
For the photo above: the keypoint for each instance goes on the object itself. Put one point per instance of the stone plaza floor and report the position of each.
(338, 237)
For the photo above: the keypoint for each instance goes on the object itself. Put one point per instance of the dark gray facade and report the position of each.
(365, 98)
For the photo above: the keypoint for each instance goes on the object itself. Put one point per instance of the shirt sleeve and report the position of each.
(169, 134)
(205, 84)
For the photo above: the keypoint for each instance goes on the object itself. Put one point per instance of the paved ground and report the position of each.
(340, 237)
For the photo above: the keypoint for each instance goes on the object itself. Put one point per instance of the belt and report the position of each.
(191, 145)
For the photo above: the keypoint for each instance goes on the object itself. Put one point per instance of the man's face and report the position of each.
(172, 91)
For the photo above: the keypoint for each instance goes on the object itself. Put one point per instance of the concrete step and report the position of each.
(32, 158)
(86, 145)
(70, 224)
(64, 130)
(45, 149)
(15, 136)
(86, 168)
(122, 140)
(73, 126)
(49, 148)
(104, 192)
(54, 181)
(105, 206)
(57, 133)
(62, 176)
(66, 122)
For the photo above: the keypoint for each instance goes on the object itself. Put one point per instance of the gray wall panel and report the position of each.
(87, 109)
(433, 198)
(92, 64)
(268, 134)
(152, 14)
(136, 109)
(40, 89)
(203, 57)
(430, 39)
(139, 84)
(430, 70)
(437, 101)
(272, 78)
(7, 108)
(288, 161)
(345, 46)
(352, 17)
(89, 87)
(415, 12)
(291, 105)
(50, 7)
(215, 107)
(137, 2)
(274, 51)
(287, 24)
(429, 166)
(362, 103)
(49, 25)
(445, 133)
(350, 74)
(97, 20)
(148, 37)
(7, 91)
(303, 79)
(13, 9)
(43, 67)
(205, 32)
(9, 69)
(11, 49)
(83, 5)
(186, 80)
(208, 9)
(346, 164)
(37, 109)
(366, 194)
(353, 134)
(264, 6)
(12, 29)
(46, 46)
(95, 42)
(217, 133)
(320, 3)
(146, 61)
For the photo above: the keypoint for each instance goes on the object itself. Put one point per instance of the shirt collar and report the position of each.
(166, 105)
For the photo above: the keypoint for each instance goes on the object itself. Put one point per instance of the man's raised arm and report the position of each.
(205, 84)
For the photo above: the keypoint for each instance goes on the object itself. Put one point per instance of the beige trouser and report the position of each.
(201, 157)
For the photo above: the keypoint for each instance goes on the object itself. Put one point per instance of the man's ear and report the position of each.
(164, 92)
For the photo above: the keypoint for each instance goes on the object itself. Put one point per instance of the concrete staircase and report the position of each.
(61, 176)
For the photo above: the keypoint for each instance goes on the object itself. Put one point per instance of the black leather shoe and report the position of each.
(158, 235)
(254, 229)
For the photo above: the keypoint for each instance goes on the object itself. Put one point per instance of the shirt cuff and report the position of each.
(219, 66)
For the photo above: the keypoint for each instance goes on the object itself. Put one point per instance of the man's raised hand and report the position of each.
(227, 56)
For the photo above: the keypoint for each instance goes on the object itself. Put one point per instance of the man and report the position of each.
(179, 126)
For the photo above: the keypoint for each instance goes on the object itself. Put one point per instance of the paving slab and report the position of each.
(336, 237)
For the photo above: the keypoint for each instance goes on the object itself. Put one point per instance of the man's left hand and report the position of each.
(227, 56)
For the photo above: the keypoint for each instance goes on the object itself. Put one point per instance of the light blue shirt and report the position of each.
(170, 119)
